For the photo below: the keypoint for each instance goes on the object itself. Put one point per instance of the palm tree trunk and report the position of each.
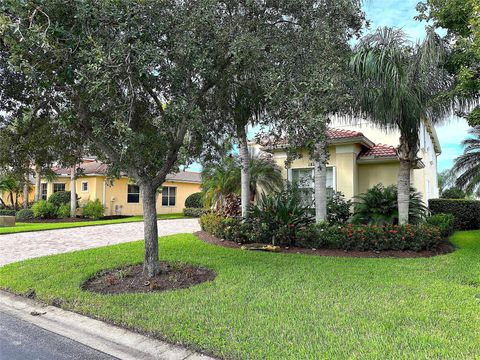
(73, 194)
(403, 181)
(38, 184)
(245, 171)
(320, 186)
(151, 264)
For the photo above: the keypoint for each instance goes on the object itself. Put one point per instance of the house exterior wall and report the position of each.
(114, 195)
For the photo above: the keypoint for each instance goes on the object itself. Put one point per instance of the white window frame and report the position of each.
(64, 187)
(334, 174)
(168, 196)
(41, 191)
(82, 188)
(128, 193)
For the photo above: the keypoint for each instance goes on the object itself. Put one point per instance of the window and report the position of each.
(168, 195)
(43, 191)
(84, 186)
(58, 187)
(133, 195)
(305, 178)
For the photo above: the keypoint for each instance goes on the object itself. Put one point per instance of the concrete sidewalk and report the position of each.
(109, 339)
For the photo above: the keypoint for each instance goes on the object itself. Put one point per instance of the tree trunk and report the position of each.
(245, 170)
(403, 191)
(73, 194)
(25, 192)
(320, 186)
(38, 184)
(151, 265)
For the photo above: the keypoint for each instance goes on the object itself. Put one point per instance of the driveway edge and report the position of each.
(95, 334)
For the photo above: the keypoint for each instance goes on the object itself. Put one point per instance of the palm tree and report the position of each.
(467, 166)
(9, 184)
(401, 87)
(221, 179)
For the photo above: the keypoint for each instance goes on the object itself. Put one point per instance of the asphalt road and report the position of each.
(20, 340)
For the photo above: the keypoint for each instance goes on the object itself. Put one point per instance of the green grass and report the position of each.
(283, 306)
(24, 227)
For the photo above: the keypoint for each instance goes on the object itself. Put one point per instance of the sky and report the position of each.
(401, 14)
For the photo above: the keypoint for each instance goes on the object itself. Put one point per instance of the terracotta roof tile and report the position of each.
(379, 150)
(332, 134)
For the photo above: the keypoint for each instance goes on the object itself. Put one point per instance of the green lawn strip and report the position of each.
(24, 227)
(282, 306)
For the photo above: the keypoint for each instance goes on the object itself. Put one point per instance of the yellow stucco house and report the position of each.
(122, 197)
(361, 156)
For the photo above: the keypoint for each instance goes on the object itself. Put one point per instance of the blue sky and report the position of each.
(400, 14)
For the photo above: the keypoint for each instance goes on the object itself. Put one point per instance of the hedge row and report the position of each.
(466, 212)
(7, 212)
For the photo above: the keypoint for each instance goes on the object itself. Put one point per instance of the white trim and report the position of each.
(81, 186)
(104, 195)
(168, 196)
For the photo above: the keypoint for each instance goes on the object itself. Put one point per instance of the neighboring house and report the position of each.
(122, 196)
(361, 159)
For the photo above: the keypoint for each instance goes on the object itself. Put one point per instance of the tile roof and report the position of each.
(332, 134)
(379, 151)
(97, 167)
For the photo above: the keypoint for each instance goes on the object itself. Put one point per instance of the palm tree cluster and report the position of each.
(224, 178)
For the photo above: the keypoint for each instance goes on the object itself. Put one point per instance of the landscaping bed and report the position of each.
(130, 279)
(445, 247)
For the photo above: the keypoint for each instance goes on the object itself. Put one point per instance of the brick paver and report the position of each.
(20, 246)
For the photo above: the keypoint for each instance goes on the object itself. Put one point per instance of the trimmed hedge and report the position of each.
(194, 200)
(59, 198)
(445, 222)
(466, 212)
(7, 212)
(25, 214)
(193, 212)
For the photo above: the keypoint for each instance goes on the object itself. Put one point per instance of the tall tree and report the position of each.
(461, 19)
(400, 87)
(131, 76)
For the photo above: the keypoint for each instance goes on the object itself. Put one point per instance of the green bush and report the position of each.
(44, 210)
(194, 200)
(453, 193)
(338, 209)
(25, 214)
(7, 212)
(379, 206)
(227, 228)
(445, 222)
(193, 212)
(93, 209)
(63, 211)
(211, 223)
(372, 237)
(466, 212)
(59, 198)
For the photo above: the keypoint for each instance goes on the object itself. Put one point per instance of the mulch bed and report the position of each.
(76, 219)
(130, 279)
(445, 248)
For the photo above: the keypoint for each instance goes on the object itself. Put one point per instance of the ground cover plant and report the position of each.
(39, 226)
(282, 306)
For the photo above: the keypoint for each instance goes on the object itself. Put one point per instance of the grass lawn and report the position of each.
(24, 227)
(283, 306)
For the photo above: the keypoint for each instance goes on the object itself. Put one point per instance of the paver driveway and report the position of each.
(20, 246)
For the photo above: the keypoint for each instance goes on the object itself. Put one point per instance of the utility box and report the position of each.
(7, 221)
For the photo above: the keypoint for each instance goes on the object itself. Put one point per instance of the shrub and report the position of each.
(194, 200)
(59, 198)
(63, 211)
(93, 209)
(338, 209)
(44, 210)
(7, 212)
(193, 212)
(211, 223)
(25, 214)
(453, 193)
(372, 237)
(379, 206)
(445, 222)
(466, 212)
(279, 216)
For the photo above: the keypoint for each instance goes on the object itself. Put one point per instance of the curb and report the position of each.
(112, 340)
